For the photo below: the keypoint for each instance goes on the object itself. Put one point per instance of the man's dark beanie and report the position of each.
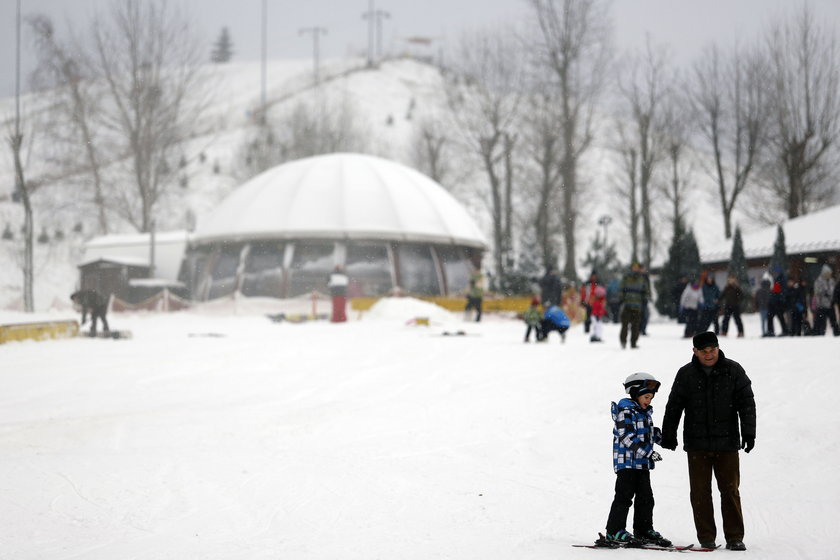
(705, 339)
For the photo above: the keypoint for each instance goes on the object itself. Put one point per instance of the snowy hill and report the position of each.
(390, 100)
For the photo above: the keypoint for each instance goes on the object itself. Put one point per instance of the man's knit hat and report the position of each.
(705, 339)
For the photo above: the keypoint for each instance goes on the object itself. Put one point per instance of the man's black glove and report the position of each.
(748, 444)
(669, 443)
(655, 457)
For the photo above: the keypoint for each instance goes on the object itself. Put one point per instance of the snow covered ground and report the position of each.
(237, 438)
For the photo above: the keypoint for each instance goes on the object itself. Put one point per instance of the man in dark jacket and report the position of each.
(91, 302)
(635, 291)
(717, 398)
(551, 288)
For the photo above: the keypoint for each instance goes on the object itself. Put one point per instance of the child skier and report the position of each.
(598, 308)
(533, 318)
(633, 459)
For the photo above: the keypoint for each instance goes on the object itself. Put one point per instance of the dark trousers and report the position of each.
(537, 332)
(822, 315)
(691, 322)
(708, 317)
(630, 317)
(735, 313)
(777, 313)
(630, 483)
(474, 302)
(725, 467)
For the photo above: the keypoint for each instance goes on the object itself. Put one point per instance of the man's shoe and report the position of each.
(708, 544)
(736, 545)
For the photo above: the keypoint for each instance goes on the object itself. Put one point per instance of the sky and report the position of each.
(685, 25)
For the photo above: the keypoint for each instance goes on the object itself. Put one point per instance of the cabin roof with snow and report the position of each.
(812, 233)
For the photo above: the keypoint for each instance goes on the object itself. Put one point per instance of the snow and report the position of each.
(212, 436)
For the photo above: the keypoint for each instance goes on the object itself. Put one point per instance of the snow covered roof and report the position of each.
(349, 196)
(815, 232)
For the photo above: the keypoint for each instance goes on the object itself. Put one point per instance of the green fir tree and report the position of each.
(222, 48)
(779, 262)
(738, 266)
(683, 260)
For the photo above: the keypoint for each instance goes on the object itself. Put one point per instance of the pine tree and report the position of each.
(222, 48)
(779, 262)
(738, 264)
(683, 260)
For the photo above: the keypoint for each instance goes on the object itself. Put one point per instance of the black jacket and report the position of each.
(713, 404)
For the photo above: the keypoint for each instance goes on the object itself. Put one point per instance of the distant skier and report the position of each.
(91, 302)
(533, 319)
(338, 291)
(554, 320)
(633, 458)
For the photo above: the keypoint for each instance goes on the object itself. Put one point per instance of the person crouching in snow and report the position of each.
(597, 310)
(533, 318)
(633, 458)
(554, 319)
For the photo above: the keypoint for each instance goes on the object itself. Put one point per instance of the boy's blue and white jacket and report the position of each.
(633, 435)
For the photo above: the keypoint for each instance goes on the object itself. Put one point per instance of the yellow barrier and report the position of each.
(38, 331)
(489, 305)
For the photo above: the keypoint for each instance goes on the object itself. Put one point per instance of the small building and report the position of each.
(280, 234)
(130, 268)
(811, 241)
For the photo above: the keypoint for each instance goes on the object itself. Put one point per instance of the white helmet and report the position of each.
(640, 383)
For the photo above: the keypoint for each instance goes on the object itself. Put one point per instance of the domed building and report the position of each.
(282, 233)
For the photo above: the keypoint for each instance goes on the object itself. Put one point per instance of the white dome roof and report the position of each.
(346, 196)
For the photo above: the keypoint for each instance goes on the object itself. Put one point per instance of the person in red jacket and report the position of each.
(599, 309)
(587, 295)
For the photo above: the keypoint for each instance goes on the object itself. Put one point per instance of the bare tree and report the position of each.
(730, 104)
(150, 64)
(484, 93)
(543, 144)
(430, 145)
(643, 89)
(574, 43)
(805, 90)
(308, 128)
(63, 68)
(675, 182)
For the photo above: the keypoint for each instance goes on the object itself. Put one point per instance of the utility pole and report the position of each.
(379, 15)
(263, 64)
(370, 16)
(316, 53)
(16, 142)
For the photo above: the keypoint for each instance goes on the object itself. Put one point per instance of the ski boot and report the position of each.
(653, 537)
(625, 539)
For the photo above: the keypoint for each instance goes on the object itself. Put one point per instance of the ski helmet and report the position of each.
(640, 383)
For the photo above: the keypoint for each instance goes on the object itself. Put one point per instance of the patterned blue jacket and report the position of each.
(633, 435)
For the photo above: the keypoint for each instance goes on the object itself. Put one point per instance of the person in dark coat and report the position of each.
(711, 304)
(776, 304)
(761, 298)
(796, 299)
(717, 399)
(551, 288)
(635, 291)
(91, 302)
(732, 296)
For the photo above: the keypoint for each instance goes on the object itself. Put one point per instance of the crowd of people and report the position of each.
(701, 305)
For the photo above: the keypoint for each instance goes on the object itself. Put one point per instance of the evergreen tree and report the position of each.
(222, 48)
(738, 266)
(683, 260)
(603, 261)
(779, 262)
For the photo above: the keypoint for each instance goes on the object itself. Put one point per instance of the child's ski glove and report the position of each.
(655, 457)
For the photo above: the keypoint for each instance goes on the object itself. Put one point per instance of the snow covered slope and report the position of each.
(237, 438)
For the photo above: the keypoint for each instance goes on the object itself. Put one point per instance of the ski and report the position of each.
(603, 543)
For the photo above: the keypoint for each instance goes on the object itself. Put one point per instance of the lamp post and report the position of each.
(605, 221)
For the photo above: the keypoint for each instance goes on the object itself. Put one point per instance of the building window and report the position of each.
(263, 275)
(311, 266)
(417, 271)
(223, 275)
(456, 268)
(368, 269)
